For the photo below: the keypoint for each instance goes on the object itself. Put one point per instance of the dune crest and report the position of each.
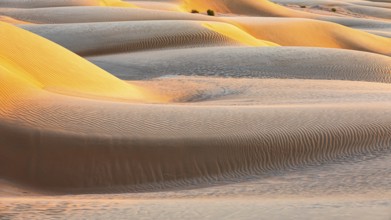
(117, 3)
(12, 20)
(48, 66)
(237, 34)
(244, 7)
(313, 33)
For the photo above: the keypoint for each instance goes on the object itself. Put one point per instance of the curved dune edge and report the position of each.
(87, 14)
(258, 62)
(237, 34)
(244, 7)
(114, 37)
(31, 60)
(313, 33)
(204, 146)
(117, 3)
(157, 5)
(10, 20)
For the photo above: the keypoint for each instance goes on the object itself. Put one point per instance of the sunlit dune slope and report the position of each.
(108, 38)
(237, 34)
(244, 7)
(33, 61)
(306, 32)
(158, 5)
(116, 3)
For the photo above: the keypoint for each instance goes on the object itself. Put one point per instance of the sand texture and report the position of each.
(140, 109)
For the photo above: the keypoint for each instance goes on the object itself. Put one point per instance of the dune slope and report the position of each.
(36, 62)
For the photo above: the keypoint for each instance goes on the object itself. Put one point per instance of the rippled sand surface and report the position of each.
(116, 109)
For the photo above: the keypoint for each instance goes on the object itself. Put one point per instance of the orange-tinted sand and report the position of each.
(116, 109)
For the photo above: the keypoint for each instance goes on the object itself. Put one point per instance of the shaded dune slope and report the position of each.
(87, 14)
(45, 3)
(62, 3)
(265, 62)
(105, 38)
(139, 145)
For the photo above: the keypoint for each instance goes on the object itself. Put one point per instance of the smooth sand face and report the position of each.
(140, 109)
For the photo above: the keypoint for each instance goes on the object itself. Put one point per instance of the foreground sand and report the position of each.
(139, 109)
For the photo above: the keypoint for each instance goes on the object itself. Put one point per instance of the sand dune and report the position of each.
(306, 32)
(108, 38)
(158, 5)
(273, 110)
(264, 62)
(40, 64)
(12, 20)
(45, 3)
(87, 14)
(244, 7)
(131, 132)
(353, 8)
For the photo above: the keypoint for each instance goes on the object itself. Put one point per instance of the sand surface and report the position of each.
(140, 109)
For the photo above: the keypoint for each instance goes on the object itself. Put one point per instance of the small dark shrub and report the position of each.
(303, 6)
(333, 10)
(195, 11)
(210, 12)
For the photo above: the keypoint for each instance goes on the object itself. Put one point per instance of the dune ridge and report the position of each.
(146, 35)
(279, 109)
(244, 7)
(281, 146)
(313, 33)
(48, 66)
(263, 62)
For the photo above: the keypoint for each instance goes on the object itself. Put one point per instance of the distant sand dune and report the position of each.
(12, 20)
(244, 7)
(107, 38)
(45, 3)
(354, 8)
(87, 14)
(264, 62)
(306, 32)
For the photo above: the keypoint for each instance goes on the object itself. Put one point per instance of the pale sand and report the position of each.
(312, 33)
(97, 14)
(355, 8)
(219, 122)
(263, 62)
(111, 38)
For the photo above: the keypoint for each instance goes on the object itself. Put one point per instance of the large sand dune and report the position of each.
(269, 110)
(244, 7)
(264, 62)
(306, 32)
(95, 14)
(109, 38)
(37, 63)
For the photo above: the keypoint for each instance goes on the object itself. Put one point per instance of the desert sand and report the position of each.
(143, 110)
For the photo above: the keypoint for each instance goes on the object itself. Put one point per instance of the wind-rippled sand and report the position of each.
(142, 110)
